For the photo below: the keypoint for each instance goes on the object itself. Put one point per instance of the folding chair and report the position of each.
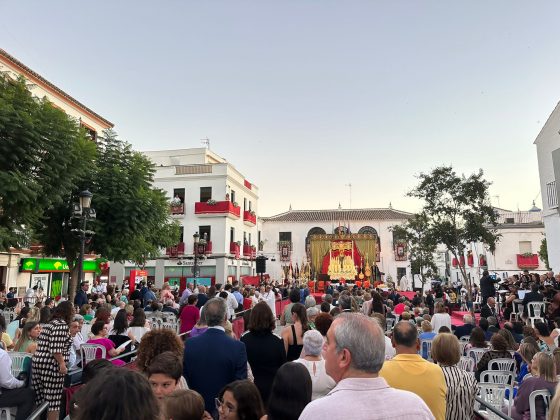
(466, 363)
(494, 395)
(502, 364)
(476, 354)
(18, 361)
(426, 349)
(535, 311)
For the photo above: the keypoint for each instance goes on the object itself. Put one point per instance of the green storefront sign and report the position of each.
(38, 265)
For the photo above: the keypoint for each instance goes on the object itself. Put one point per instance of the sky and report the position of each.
(307, 97)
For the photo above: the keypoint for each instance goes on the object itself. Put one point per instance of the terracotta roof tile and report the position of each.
(338, 215)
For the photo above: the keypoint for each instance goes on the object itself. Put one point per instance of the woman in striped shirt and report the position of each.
(461, 385)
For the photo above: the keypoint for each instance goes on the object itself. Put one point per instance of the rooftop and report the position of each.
(342, 215)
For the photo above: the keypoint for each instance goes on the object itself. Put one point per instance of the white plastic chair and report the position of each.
(462, 346)
(535, 312)
(476, 354)
(169, 325)
(545, 394)
(497, 377)
(426, 348)
(465, 338)
(494, 395)
(18, 359)
(502, 364)
(89, 353)
(517, 311)
(467, 363)
(8, 413)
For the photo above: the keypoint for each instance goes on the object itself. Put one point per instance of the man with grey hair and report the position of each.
(213, 360)
(354, 353)
(466, 328)
(345, 302)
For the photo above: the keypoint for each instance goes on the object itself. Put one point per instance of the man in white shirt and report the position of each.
(354, 353)
(270, 298)
(13, 392)
(231, 301)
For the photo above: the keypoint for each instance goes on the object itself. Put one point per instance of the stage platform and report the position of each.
(457, 317)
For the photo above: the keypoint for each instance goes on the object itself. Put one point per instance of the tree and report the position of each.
(421, 246)
(458, 211)
(543, 253)
(132, 218)
(43, 152)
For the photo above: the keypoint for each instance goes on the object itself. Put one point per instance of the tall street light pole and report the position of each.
(196, 239)
(85, 210)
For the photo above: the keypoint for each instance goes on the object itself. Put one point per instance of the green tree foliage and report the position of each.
(132, 218)
(458, 211)
(416, 233)
(43, 153)
(543, 253)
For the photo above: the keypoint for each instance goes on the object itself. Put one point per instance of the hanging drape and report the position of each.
(321, 245)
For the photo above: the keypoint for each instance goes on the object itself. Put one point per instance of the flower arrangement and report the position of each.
(252, 213)
(211, 202)
(235, 204)
(527, 254)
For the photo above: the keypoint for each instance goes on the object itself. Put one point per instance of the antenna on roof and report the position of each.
(205, 142)
(390, 205)
(290, 207)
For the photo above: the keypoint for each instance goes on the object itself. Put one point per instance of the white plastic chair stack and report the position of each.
(168, 325)
(18, 358)
(545, 394)
(89, 353)
(535, 311)
(467, 363)
(502, 364)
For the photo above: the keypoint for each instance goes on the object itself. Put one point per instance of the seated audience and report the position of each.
(15, 392)
(139, 326)
(499, 351)
(441, 317)
(546, 342)
(100, 331)
(27, 342)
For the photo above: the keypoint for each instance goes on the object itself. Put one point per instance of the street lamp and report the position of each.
(85, 212)
(198, 252)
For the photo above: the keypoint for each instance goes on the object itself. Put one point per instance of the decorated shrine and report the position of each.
(343, 256)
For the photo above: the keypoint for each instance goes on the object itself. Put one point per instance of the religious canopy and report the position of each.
(339, 254)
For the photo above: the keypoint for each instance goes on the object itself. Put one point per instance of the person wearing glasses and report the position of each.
(240, 400)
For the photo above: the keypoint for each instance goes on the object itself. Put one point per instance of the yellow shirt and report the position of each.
(410, 372)
(7, 340)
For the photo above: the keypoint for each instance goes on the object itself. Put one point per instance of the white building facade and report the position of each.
(548, 156)
(209, 197)
(521, 234)
(294, 227)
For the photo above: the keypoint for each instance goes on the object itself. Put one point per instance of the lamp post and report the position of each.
(85, 213)
(198, 253)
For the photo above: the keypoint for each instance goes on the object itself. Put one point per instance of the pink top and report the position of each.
(189, 317)
(109, 345)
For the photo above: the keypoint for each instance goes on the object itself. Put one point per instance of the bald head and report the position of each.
(405, 334)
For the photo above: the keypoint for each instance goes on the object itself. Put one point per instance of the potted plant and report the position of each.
(235, 204)
(176, 202)
(211, 202)
(252, 213)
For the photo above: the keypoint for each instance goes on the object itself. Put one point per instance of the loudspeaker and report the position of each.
(261, 264)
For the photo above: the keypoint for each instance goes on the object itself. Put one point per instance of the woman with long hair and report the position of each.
(100, 331)
(293, 334)
(377, 305)
(543, 378)
(49, 363)
(291, 392)
(27, 342)
(265, 350)
(121, 333)
(139, 325)
(477, 340)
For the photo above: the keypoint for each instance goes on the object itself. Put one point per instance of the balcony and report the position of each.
(249, 218)
(527, 261)
(177, 210)
(208, 248)
(217, 208)
(234, 249)
(176, 250)
(249, 251)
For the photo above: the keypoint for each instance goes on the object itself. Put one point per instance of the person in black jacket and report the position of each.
(81, 296)
(532, 296)
(487, 288)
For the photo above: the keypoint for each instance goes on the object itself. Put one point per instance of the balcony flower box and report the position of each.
(247, 250)
(249, 218)
(455, 262)
(208, 248)
(174, 251)
(470, 260)
(527, 261)
(218, 208)
(234, 249)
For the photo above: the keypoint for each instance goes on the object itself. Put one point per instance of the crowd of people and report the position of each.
(359, 353)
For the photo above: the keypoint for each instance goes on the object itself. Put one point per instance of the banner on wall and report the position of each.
(41, 281)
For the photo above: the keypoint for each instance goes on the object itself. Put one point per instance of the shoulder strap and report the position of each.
(294, 334)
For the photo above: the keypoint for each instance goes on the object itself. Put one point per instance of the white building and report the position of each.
(548, 156)
(294, 228)
(214, 200)
(521, 234)
(23, 268)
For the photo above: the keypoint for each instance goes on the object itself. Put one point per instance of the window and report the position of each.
(250, 205)
(244, 204)
(510, 220)
(249, 240)
(245, 238)
(285, 236)
(525, 247)
(259, 240)
(181, 229)
(90, 132)
(232, 196)
(232, 234)
(204, 232)
(205, 194)
(180, 194)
